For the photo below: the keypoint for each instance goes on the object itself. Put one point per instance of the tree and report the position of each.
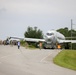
(33, 33)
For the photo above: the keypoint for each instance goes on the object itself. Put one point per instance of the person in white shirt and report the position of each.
(18, 44)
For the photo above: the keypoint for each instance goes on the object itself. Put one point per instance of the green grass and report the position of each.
(66, 58)
(31, 47)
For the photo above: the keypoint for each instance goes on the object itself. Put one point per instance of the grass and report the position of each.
(67, 59)
(29, 47)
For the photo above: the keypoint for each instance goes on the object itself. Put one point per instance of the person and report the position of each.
(26, 44)
(59, 46)
(11, 42)
(18, 44)
(40, 45)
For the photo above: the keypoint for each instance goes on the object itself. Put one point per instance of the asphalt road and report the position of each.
(23, 61)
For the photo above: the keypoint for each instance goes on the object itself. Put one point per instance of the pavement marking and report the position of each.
(45, 57)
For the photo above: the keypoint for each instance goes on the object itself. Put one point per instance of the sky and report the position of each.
(17, 15)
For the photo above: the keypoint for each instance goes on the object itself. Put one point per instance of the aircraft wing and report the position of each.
(29, 39)
(67, 41)
(34, 40)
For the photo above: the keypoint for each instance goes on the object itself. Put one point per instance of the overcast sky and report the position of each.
(17, 15)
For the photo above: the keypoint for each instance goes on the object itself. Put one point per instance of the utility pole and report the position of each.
(71, 33)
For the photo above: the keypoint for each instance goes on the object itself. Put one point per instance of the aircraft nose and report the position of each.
(49, 38)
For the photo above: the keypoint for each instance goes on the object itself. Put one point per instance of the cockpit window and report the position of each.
(49, 34)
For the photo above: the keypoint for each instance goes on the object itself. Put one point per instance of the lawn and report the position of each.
(66, 58)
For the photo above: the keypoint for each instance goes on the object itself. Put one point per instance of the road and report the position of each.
(23, 61)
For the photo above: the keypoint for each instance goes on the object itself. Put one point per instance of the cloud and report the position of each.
(27, 8)
(2, 10)
(49, 7)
